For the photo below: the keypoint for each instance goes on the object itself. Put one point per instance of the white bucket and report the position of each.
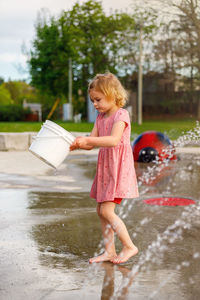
(52, 144)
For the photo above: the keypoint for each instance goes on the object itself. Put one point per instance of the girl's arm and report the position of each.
(104, 141)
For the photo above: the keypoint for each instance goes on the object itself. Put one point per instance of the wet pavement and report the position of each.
(49, 229)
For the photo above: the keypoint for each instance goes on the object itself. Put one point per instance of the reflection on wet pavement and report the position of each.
(69, 237)
(47, 238)
(75, 174)
(177, 178)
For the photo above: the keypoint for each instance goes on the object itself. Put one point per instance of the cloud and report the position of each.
(12, 58)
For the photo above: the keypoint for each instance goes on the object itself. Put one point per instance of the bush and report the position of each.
(12, 113)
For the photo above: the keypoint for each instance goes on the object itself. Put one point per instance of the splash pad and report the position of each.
(169, 259)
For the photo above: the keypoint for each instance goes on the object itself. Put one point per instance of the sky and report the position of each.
(17, 19)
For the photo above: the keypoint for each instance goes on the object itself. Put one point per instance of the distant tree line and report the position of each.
(175, 51)
(12, 96)
(175, 47)
(16, 91)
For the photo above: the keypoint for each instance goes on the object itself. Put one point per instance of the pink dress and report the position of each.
(115, 175)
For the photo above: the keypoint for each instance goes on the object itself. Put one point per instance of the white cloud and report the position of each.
(12, 58)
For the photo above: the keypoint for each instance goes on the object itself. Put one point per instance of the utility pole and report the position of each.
(67, 107)
(70, 88)
(140, 79)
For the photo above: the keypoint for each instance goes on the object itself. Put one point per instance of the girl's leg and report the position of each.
(129, 249)
(108, 236)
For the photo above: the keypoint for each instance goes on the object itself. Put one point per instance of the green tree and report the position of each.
(94, 41)
(85, 34)
(1, 80)
(47, 68)
(98, 41)
(5, 97)
(20, 90)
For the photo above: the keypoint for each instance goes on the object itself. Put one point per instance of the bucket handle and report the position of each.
(71, 139)
(44, 137)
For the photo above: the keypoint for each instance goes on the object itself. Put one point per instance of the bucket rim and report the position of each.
(59, 130)
(56, 126)
(68, 138)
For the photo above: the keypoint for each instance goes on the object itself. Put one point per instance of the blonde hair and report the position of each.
(109, 85)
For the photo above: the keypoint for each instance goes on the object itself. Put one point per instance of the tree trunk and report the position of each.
(198, 110)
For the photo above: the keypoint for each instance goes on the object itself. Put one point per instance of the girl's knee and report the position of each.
(105, 212)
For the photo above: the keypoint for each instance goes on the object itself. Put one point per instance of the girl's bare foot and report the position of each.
(103, 257)
(124, 255)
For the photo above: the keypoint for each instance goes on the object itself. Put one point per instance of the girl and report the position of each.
(115, 176)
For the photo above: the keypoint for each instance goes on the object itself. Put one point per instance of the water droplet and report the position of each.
(196, 255)
(185, 263)
(145, 221)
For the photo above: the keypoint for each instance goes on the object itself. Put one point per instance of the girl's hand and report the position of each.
(80, 143)
(73, 146)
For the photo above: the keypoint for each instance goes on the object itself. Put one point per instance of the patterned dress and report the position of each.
(115, 175)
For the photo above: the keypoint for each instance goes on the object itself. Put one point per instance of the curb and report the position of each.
(15, 141)
(21, 141)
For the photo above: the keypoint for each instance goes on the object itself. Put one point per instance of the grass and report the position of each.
(171, 128)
